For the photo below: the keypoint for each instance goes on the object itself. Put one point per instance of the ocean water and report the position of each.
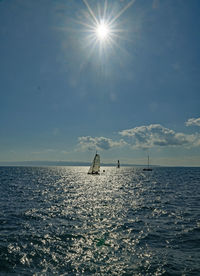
(61, 221)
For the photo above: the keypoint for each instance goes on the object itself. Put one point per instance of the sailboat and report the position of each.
(147, 169)
(118, 164)
(95, 167)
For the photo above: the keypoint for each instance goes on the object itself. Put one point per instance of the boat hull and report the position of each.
(94, 173)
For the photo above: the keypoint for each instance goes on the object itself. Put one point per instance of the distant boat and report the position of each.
(147, 169)
(95, 167)
(118, 164)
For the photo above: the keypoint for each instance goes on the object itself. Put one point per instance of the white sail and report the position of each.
(95, 167)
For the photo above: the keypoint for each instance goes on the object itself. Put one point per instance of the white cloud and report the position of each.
(193, 122)
(99, 143)
(157, 135)
(154, 135)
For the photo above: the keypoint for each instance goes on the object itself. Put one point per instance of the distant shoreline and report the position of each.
(64, 163)
(73, 163)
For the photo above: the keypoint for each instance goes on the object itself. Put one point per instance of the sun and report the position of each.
(102, 31)
(102, 27)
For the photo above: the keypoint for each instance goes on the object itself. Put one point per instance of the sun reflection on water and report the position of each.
(114, 223)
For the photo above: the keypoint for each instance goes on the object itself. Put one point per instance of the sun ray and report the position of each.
(116, 35)
(91, 12)
(103, 28)
(119, 47)
(85, 25)
(122, 11)
(105, 8)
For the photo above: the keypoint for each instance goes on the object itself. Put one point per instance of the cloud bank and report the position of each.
(157, 135)
(99, 143)
(193, 122)
(144, 137)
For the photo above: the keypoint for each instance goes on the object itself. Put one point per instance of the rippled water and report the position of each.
(61, 221)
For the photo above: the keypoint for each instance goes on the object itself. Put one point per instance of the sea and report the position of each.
(62, 221)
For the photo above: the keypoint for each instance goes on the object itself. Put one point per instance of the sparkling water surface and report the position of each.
(62, 221)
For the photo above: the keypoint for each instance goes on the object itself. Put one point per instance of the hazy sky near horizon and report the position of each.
(66, 93)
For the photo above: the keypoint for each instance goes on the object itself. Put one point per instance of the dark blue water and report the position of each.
(61, 221)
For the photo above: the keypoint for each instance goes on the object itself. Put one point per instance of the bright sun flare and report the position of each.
(102, 31)
(102, 25)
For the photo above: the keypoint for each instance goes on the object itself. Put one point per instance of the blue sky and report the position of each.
(65, 93)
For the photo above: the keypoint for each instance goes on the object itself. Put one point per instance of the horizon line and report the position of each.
(77, 163)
